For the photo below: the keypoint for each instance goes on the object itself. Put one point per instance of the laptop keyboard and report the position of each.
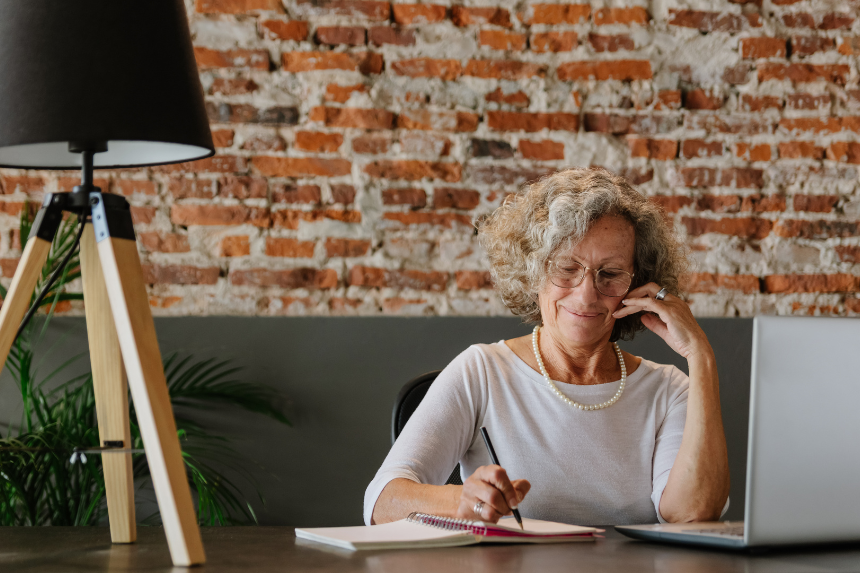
(734, 530)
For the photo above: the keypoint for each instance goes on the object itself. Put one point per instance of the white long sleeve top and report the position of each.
(587, 467)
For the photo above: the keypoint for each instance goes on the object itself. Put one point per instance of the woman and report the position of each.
(594, 435)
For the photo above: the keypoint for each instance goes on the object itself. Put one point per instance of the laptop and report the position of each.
(803, 458)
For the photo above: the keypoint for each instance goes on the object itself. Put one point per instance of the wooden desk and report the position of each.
(264, 549)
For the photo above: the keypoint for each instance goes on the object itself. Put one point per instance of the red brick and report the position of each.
(222, 137)
(243, 187)
(516, 99)
(502, 40)
(820, 229)
(760, 152)
(294, 31)
(458, 121)
(835, 283)
(293, 248)
(834, 73)
(301, 166)
(625, 124)
(428, 144)
(743, 227)
(632, 15)
(22, 184)
(408, 14)
(290, 219)
(660, 149)
(385, 278)
(180, 275)
(341, 94)
(849, 46)
(344, 194)
(515, 121)
(835, 21)
(546, 150)
(701, 99)
(473, 280)
(185, 188)
(413, 170)
(763, 47)
(129, 187)
(811, 124)
(264, 142)
(233, 86)
(428, 68)
(807, 45)
(847, 151)
(215, 164)
(472, 16)
(235, 246)
(602, 43)
(164, 242)
(8, 267)
(553, 41)
(815, 203)
(415, 198)
(800, 150)
(364, 62)
(451, 198)
(758, 103)
(290, 193)
(336, 35)
(668, 100)
(755, 203)
(557, 13)
(381, 35)
(14, 207)
(738, 74)
(429, 218)
(625, 70)
(848, 254)
(671, 203)
(222, 112)
(740, 177)
(188, 215)
(504, 69)
(706, 21)
(289, 278)
(363, 9)
(254, 59)
(346, 247)
(713, 282)
(699, 148)
(318, 142)
(353, 117)
(236, 6)
(371, 144)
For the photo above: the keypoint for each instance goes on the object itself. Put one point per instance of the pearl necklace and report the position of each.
(564, 398)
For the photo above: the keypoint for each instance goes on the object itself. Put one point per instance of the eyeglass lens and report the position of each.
(609, 281)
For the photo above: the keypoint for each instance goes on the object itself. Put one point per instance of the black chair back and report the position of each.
(407, 402)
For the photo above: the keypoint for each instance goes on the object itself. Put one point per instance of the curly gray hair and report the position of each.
(556, 212)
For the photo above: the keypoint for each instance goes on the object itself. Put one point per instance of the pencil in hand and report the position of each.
(495, 460)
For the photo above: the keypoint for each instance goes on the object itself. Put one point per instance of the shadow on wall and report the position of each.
(341, 376)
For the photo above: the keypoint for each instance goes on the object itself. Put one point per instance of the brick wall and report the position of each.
(358, 140)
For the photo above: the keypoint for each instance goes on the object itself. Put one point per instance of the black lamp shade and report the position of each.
(120, 72)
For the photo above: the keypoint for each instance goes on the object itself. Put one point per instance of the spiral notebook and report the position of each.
(422, 530)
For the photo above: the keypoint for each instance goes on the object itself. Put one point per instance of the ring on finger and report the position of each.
(661, 294)
(479, 507)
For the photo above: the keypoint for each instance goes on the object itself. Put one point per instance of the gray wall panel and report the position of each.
(341, 376)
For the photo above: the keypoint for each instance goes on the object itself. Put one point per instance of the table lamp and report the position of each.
(106, 84)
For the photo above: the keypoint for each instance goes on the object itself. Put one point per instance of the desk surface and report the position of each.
(263, 549)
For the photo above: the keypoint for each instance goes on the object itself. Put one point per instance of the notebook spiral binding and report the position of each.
(448, 523)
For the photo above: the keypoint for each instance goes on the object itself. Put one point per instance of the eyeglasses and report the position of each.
(566, 273)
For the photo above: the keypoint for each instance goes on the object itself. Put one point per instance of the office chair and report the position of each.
(407, 401)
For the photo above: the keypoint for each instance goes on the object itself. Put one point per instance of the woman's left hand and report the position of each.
(670, 319)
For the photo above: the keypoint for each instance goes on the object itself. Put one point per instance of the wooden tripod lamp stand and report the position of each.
(106, 84)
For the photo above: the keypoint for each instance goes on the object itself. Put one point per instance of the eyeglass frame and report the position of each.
(585, 269)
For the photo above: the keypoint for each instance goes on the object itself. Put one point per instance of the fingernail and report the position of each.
(514, 506)
(626, 300)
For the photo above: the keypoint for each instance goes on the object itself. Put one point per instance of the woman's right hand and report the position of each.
(490, 485)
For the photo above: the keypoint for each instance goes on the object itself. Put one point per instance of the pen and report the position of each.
(495, 460)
